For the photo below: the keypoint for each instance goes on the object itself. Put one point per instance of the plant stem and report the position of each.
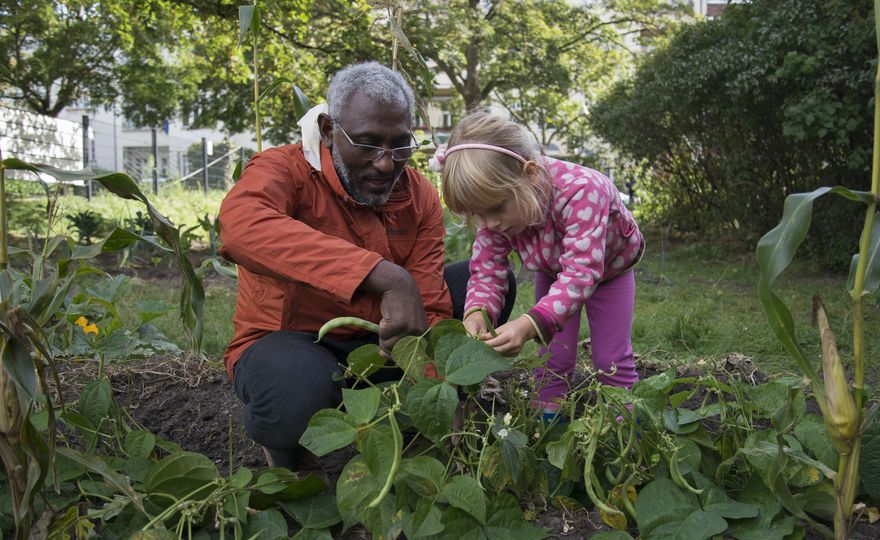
(4, 258)
(864, 246)
(845, 485)
(847, 481)
(257, 83)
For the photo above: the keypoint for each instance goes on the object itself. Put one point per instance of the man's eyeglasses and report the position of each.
(373, 153)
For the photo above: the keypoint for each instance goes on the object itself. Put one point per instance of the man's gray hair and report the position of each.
(374, 81)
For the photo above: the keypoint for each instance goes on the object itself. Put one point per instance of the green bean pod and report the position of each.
(488, 322)
(627, 504)
(395, 464)
(338, 322)
(675, 475)
(589, 478)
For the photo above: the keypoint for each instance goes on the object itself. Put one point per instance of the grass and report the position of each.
(182, 205)
(694, 303)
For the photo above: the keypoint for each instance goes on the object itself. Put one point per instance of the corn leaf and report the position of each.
(245, 17)
(775, 251)
(872, 271)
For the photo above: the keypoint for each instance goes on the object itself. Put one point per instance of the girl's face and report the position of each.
(506, 218)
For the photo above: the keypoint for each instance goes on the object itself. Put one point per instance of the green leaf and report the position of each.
(661, 502)
(366, 360)
(445, 345)
(424, 521)
(410, 353)
(811, 433)
(649, 401)
(872, 268)
(266, 525)
(775, 251)
(180, 474)
(150, 310)
(472, 361)
(778, 529)
(272, 86)
(422, 474)
(376, 447)
(281, 484)
(464, 492)
(139, 443)
(431, 404)
(300, 103)
(869, 461)
(98, 466)
(315, 512)
(506, 521)
(329, 430)
(698, 525)
(561, 456)
(225, 270)
(95, 400)
(236, 172)
(245, 16)
(770, 397)
(361, 405)
(241, 477)
(353, 487)
(236, 505)
(733, 510)
(440, 329)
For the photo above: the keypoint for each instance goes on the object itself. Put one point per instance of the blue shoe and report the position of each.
(550, 417)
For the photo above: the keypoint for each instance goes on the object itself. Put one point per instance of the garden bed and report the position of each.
(191, 402)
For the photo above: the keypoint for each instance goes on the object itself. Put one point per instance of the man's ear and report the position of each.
(325, 124)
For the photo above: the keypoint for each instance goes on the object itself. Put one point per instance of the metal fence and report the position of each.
(155, 157)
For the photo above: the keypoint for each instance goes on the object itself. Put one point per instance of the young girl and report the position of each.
(569, 225)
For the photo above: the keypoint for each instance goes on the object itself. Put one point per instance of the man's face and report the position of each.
(368, 181)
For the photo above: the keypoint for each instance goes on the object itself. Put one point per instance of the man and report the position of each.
(337, 225)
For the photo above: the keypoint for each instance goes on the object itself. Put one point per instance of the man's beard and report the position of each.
(354, 191)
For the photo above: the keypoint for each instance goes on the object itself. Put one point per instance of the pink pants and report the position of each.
(610, 315)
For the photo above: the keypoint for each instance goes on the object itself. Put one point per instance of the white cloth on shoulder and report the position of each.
(311, 135)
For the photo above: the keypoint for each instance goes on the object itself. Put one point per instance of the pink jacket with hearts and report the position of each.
(588, 237)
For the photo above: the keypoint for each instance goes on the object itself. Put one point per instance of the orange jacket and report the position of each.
(303, 246)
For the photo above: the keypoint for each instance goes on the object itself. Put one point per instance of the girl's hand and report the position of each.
(511, 336)
(474, 324)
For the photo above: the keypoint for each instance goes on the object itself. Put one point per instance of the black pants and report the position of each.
(284, 378)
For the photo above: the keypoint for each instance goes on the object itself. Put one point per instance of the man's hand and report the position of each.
(511, 336)
(475, 324)
(403, 313)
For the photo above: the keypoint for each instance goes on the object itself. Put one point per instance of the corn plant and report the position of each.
(842, 402)
(32, 305)
(249, 23)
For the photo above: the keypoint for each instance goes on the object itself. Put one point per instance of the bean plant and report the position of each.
(687, 457)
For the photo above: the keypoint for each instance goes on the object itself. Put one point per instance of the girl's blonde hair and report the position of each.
(476, 179)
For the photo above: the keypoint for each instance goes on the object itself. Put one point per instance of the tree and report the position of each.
(771, 98)
(540, 59)
(304, 42)
(55, 52)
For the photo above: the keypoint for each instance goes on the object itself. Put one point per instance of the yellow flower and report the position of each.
(83, 323)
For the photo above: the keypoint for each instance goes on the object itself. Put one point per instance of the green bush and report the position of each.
(738, 112)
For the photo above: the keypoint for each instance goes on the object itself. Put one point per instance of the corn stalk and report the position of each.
(842, 403)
